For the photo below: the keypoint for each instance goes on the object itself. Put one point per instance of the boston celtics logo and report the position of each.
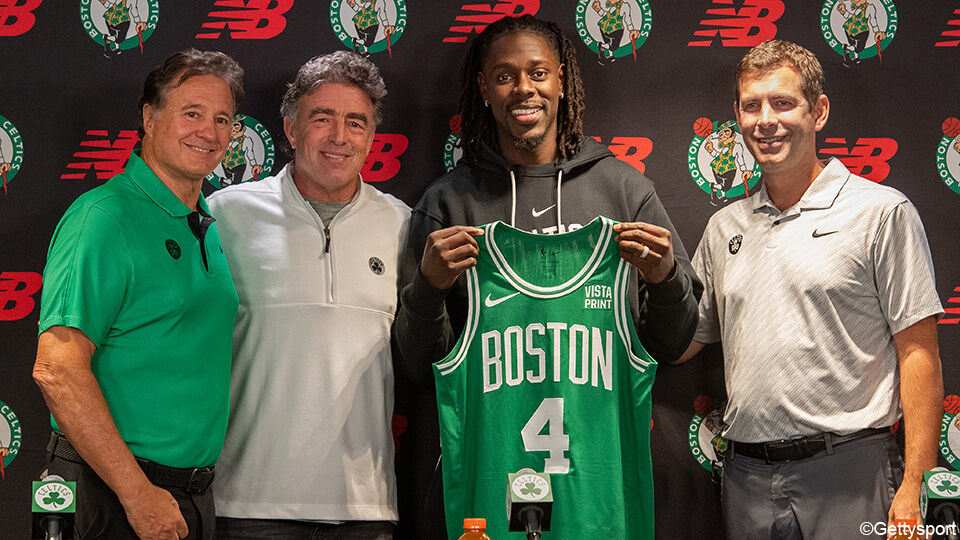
(452, 149)
(250, 154)
(119, 25)
(613, 28)
(948, 154)
(9, 437)
(369, 26)
(704, 433)
(11, 151)
(719, 162)
(950, 431)
(858, 29)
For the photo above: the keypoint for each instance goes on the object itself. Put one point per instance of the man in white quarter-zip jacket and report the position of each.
(314, 255)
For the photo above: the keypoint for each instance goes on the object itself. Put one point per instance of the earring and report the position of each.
(486, 103)
(561, 95)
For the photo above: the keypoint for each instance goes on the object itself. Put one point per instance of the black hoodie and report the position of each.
(544, 199)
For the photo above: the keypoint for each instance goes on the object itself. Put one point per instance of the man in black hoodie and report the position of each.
(527, 163)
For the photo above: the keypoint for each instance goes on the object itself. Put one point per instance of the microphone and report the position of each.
(54, 507)
(529, 502)
(940, 499)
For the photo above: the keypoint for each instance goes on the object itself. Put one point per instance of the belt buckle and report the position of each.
(193, 485)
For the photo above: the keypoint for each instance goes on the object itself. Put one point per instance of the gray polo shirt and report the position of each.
(806, 302)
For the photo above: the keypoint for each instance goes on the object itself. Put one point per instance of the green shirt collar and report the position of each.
(143, 176)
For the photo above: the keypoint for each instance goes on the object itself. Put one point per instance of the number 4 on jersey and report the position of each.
(555, 441)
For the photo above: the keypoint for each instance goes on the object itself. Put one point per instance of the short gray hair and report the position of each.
(344, 67)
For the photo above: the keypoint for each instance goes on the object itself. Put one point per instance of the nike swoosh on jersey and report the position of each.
(538, 213)
(489, 302)
(819, 234)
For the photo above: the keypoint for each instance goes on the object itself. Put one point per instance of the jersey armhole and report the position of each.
(452, 361)
(640, 359)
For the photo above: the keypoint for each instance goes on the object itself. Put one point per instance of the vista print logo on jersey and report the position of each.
(705, 433)
(613, 28)
(119, 25)
(250, 154)
(719, 161)
(948, 154)
(858, 29)
(11, 152)
(369, 26)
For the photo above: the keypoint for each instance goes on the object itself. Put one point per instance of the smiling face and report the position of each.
(186, 139)
(331, 136)
(777, 123)
(522, 79)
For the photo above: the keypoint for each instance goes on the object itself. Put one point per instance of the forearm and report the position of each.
(921, 394)
(74, 398)
(670, 314)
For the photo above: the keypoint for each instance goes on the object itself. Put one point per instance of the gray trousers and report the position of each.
(823, 496)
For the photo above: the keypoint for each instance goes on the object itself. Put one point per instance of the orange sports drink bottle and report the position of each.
(474, 529)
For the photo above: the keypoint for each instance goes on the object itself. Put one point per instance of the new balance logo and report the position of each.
(867, 158)
(478, 16)
(247, 19)
(952, 314)
(750, 25)
(16, 294)
(102, 157)
(489, 302)
(383, 161)
(951, 36)
(16, 16)
(632, 150)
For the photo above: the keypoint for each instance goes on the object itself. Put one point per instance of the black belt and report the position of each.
(189, 480)
(786, 450)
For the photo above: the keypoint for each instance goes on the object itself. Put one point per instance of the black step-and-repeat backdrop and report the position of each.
(71, 73)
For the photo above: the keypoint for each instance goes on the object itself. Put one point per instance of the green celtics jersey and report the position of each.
(549, 374)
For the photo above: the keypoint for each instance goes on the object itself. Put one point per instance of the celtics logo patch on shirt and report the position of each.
(452, 149)
(369, 26)
(950, 431)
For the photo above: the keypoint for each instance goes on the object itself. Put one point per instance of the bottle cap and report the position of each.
(474, 523)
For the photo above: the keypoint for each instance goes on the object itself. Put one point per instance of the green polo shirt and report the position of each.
(125, 268)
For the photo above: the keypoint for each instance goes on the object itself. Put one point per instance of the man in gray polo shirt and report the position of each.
(821, 289)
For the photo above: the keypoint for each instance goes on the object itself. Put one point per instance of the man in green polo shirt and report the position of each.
(137, 318)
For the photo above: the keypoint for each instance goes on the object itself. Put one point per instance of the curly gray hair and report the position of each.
(344, 67)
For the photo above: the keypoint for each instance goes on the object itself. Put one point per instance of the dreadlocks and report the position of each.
(477, 121)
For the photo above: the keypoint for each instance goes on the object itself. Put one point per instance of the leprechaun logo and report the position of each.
(11, 151)
(369, 26)
(948, 154)
(452, 149)
(250, 154)
(950, 431)
(613, 28)
(9, 437)
(858, 29)
(719, 162)
(704, 433)
(119, 25)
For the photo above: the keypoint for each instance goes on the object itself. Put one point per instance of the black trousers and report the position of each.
(101, 516)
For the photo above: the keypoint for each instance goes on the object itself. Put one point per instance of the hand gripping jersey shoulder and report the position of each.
(549, 374)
